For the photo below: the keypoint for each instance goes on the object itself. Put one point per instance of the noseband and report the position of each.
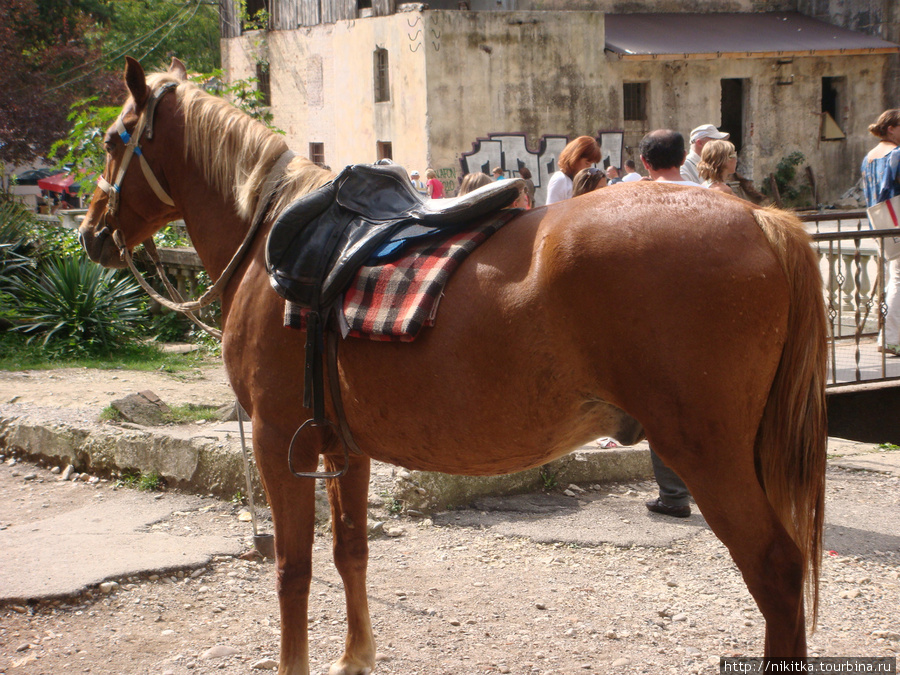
(133, 147)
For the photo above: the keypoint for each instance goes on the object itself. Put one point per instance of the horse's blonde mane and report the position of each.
(235, 152)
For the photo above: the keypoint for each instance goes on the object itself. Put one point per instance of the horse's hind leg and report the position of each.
(349, 515)
(723, 482)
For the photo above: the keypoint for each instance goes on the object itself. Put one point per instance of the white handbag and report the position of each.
(886, 216)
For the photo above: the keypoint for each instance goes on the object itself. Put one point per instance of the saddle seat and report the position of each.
(366, 213)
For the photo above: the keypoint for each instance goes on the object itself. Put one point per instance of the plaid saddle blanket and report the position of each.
(392, 301)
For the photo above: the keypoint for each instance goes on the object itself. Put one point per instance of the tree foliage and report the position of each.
(153, 31)
(56, 52)
(42, 44)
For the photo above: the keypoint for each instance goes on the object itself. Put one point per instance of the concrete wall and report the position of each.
(532, 73)
(457, 77)
(322, 84)
(778, 118)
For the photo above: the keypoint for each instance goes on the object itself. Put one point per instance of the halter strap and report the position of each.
(132, 147)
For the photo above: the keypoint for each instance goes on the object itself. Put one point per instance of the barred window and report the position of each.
(634, 101)
(317, 153)
(382, 80)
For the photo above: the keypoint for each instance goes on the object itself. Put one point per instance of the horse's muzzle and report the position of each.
(100, 247)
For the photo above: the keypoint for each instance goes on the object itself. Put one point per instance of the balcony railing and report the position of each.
(854, 274)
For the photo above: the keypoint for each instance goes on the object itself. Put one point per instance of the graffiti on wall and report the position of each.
(510, 152)
(448, 178)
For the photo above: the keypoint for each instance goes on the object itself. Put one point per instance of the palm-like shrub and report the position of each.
(14, 221)
(77, 307)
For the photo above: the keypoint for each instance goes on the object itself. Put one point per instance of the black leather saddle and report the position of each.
(367, 213)
(319, 242)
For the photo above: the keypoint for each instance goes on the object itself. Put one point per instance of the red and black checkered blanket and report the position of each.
(393, 301)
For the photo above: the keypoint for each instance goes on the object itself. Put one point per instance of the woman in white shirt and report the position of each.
(580, 154)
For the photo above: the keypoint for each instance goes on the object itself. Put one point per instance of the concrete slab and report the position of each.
(879, 461)
(79, 548)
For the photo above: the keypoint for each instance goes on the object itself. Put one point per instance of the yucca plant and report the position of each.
(14, 222)
(77, 307)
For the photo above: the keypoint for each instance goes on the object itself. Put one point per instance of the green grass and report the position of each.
(148, 482)
(184, 414)
(16, 354)
(110, 414)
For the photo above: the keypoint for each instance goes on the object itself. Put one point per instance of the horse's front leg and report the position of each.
(349, 515)
(292, 501)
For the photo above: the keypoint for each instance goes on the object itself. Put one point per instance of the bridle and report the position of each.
(144, 128)
(132, 143)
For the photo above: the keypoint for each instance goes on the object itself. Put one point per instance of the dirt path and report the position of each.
(92, 388)
(537, 589)
(463, 594)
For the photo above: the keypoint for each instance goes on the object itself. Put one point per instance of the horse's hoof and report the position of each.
(341, 668)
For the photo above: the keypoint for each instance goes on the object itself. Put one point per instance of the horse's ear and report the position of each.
(136, 82)
(178, 69)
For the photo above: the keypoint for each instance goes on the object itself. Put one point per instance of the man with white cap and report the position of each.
(699, 137)
(417, 183)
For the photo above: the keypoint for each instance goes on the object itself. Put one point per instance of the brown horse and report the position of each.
(682, 314)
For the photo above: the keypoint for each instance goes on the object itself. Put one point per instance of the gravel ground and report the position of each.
(516, 585)
(460, 593)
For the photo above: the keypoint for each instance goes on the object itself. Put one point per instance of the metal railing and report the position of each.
(854, 273)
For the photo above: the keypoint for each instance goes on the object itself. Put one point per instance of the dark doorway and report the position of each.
(733, 92)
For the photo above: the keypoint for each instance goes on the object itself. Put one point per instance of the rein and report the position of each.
(133, 147)
(214, 291)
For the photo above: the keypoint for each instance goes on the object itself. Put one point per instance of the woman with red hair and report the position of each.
(580, 154)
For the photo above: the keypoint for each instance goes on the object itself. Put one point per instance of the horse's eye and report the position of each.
(109, 146)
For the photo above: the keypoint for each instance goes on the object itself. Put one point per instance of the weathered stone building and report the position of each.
(459, 85)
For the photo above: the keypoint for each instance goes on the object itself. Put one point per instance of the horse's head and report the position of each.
(131, 201)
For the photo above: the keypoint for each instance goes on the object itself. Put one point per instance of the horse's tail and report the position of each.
(793, 434)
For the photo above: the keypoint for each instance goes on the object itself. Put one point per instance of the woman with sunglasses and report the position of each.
(718, 161)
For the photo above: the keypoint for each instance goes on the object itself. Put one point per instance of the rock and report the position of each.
(30, 476)
(265, 664)
(56, 470)
(145, 408)
(394, 531)
(245, 516)
(67, 473)
(228, 413)
(621, 662)
(108, 587)
(679, 617)
(218, 652)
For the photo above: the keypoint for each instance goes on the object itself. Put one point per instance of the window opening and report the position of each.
(382, 81)
(317, 153)
(634, 101)
(734, 95)
(833, 97)
(262, 83)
